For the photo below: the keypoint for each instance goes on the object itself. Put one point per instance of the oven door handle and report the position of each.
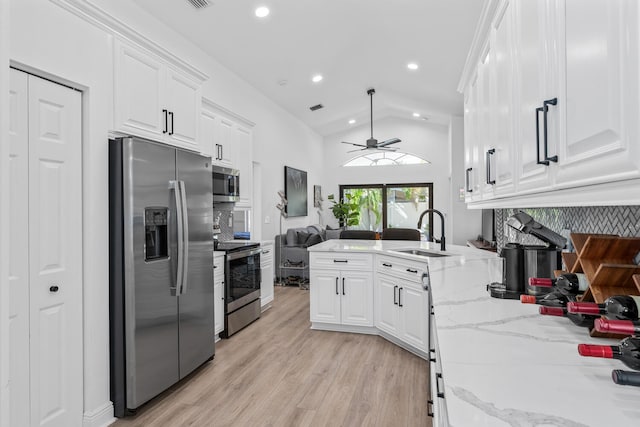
(243, 254)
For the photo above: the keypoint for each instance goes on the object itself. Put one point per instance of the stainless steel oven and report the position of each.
(242, 285)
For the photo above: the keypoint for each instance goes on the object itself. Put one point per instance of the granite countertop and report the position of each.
(503, 363)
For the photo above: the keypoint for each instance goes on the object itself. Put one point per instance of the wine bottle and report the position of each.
(627, 351)
(621, 307)
(626, 327)
(552, 299)
(567, 283)
(625, 377)
(585, 320)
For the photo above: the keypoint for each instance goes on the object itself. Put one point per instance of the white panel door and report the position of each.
(53, 236)
(601, 105)
(356, 288)
(414, 317)
(19, 253)
(227, 148)
(325, 296)
(183, 102)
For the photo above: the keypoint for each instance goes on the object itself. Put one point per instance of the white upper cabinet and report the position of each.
(154, 99)
(562, 106)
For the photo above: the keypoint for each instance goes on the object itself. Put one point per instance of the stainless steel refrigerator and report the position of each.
(161, 268)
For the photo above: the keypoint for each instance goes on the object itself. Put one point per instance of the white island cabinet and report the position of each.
(218, 293)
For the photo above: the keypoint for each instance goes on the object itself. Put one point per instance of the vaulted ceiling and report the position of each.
(353, 44)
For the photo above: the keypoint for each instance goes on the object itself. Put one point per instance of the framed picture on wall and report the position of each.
(317, 196)
(295, 189)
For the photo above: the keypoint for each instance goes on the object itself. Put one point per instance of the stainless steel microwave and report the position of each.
(226, 184)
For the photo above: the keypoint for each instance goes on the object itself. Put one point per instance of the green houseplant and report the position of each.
(347, 212)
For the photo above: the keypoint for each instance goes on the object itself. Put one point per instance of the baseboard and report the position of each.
(101, 417)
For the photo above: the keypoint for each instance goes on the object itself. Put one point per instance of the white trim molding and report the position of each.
(101, 417)
(228, 113)
(101, 19)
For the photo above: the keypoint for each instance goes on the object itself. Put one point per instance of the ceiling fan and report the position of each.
(372, 143)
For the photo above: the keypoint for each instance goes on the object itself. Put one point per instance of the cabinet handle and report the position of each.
(488, 163)
(54, 288)
(343, 286)
(411, 270)
(432, 359)
(265, 252)
(337, 293)
(171, 114)
(220, 149)
(341, 260)
(430, 408)
(166, 123)
(467, 177)
(545, 107)
(400, 297)
(387, 265)
(438, 392)
(395, 300)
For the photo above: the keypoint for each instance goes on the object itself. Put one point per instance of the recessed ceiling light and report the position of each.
(412, 66)
(352, 121)
(262, 12)
(317, 78)
(416, 114)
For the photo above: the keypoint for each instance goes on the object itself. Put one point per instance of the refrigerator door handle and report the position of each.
(175, 186)
(185, 237)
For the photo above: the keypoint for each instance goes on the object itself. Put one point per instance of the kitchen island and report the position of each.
(500, 362)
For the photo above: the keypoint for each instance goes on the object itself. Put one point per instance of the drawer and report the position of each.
(398, 267)
(341, 261)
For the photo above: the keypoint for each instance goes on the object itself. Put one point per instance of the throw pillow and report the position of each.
(314, 239)
(302, 237)
(292, 237)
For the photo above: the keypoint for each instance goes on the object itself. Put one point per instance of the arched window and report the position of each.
(385, 158)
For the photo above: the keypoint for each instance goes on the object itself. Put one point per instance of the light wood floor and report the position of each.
(278, 372)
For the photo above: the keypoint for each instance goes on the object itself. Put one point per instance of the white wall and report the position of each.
(52, 42)
(419, 137)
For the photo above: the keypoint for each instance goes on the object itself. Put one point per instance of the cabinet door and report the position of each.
(474, 166)
(266, 266)
(138, 89)
(325, 296)
(357, 298)
(183, 102)
(485, 112)
(387, 304)
(244, 163)
(501, 164)
(208, 134)
(226, 155)
(601, 93)
(414, 316)
(218, 306)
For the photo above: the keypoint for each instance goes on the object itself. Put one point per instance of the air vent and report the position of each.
(316, 107)
(199, 4)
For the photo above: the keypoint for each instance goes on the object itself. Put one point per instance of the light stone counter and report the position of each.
(503, 364)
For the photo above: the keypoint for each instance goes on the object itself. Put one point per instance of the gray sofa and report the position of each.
(291, 256)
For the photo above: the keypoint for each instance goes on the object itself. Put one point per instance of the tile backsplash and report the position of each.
(620, 220)
(225, 210)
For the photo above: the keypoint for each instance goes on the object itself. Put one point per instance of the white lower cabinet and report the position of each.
(341, 296)
(266, 272)
(218, 292)
(437, 407)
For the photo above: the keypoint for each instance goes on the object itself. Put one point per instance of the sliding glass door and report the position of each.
(392, 205)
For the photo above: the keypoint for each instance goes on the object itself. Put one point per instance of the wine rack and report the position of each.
(607, 262)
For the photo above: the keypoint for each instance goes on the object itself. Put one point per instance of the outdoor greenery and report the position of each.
(347, 212)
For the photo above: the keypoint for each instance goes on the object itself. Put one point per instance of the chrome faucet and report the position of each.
(442, 244)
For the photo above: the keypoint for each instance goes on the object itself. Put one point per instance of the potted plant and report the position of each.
(346, 212)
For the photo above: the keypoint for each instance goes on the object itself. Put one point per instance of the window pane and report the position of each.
(370, 203)
(404, 206)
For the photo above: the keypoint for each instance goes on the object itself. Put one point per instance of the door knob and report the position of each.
(53, 288)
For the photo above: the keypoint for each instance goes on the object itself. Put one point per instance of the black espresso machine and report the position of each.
(524, 261)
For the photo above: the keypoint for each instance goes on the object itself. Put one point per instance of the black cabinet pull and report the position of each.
(411, 270)
(438, 392)
(545, 108)
(341, 260)
(430, 408)
(337, 293)
(387, 265)
(538, 161)
(432, 359)
(395, 300)
(220, 150)
(400, 297)
(171, 114)
(166, 123)
(54, 288)
(343, 286)
(488, 155)
(467, 177)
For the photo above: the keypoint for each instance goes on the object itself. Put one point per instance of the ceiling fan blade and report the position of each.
(385, 149)
(389, 142)
(353, 143)
(357, 149)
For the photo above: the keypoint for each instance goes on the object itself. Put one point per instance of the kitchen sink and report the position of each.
(421, 252)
